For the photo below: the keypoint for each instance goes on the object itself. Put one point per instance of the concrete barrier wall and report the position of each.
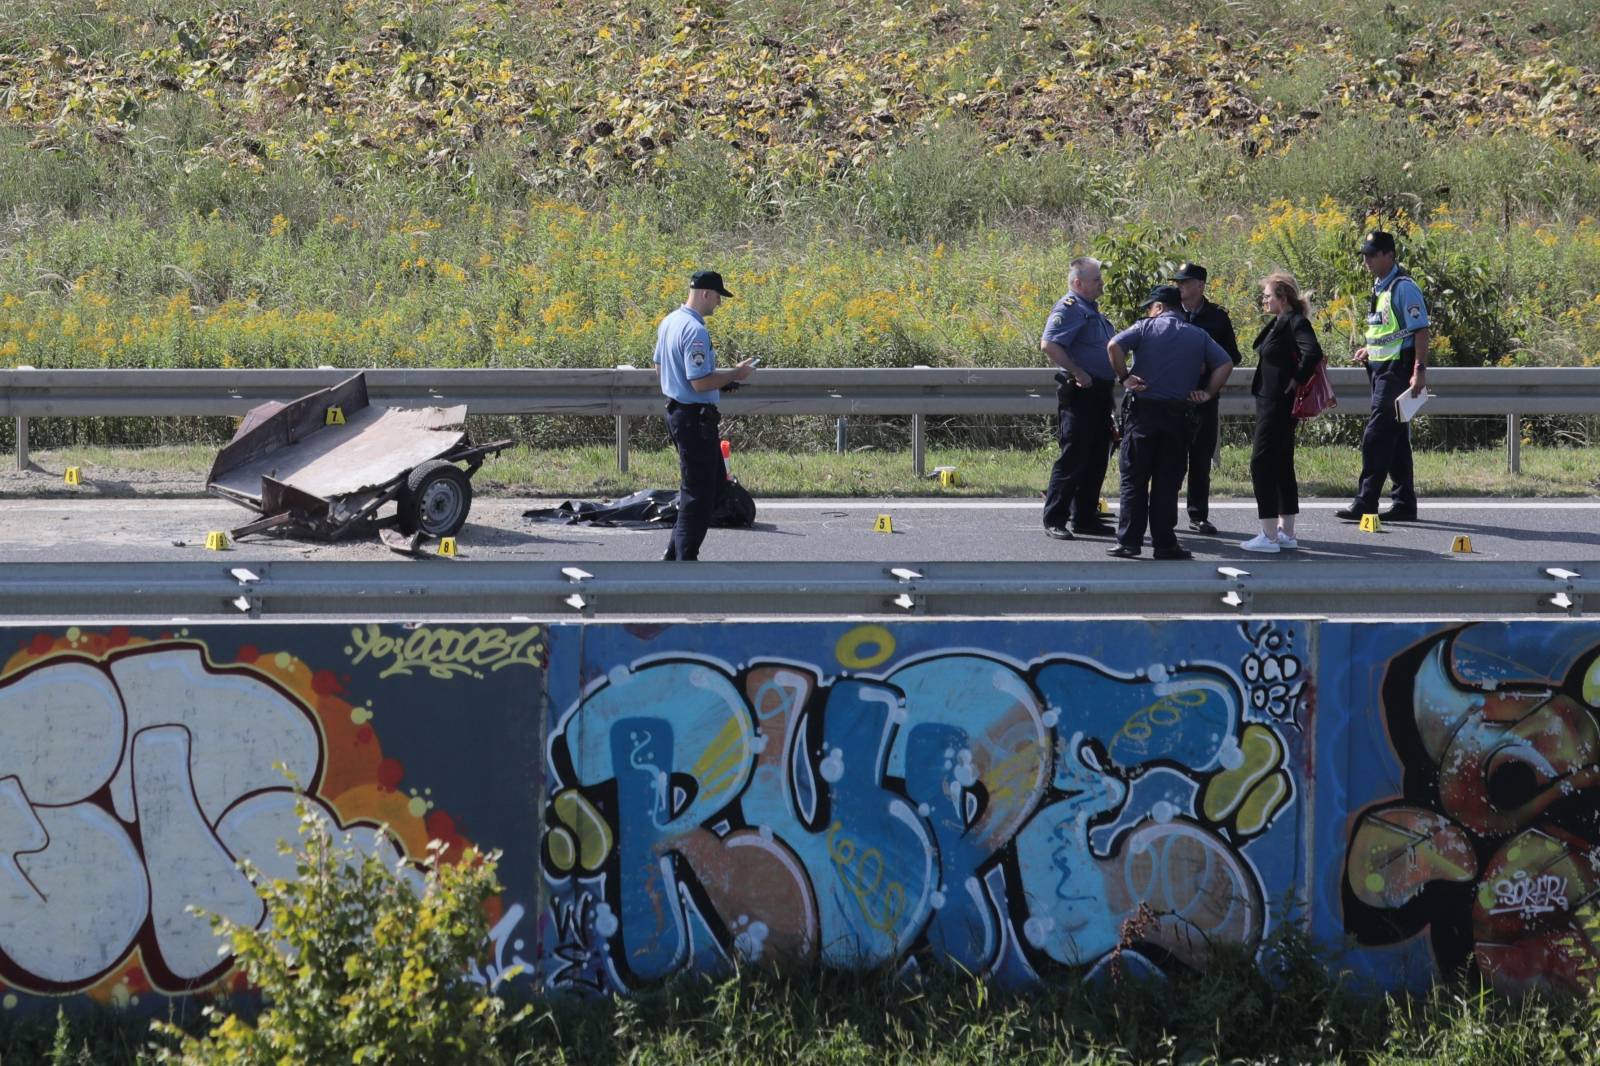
(1018, 799)
(1458, 799)
(137, 764)
(1005, 797)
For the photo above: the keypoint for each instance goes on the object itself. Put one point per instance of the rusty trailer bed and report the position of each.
(326, 462)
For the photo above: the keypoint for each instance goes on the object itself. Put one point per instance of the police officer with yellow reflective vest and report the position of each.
(1190, 278)
(691, 383)
(1396, 358)
(1170, 357)
(1075, 339)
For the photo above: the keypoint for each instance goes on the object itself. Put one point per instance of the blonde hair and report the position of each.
(1288, 290)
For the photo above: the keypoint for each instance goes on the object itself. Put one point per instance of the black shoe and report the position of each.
(1122, 551)
(1059, 532)
(1397, 513)
(1204, 527)
(1094, 529)
(1173, 553)
(670, 555)
(1353, 513)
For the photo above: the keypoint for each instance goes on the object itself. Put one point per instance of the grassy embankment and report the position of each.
(429, 183)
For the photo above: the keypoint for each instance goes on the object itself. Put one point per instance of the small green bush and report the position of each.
(1134, 259)
(356, 964)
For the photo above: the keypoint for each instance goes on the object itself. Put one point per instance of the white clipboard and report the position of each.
(1407, 406)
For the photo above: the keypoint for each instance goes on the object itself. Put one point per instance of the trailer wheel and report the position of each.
(436, 500)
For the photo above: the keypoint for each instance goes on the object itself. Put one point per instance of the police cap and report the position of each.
(1377, 241)
(708, 279)
(1189, 272)
(1166, 295)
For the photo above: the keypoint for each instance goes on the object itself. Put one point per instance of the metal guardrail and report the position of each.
(626, 392)
(528, 591)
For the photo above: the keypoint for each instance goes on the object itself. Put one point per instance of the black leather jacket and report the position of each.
(1285, 348)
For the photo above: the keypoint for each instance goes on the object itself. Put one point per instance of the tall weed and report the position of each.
(358, 961)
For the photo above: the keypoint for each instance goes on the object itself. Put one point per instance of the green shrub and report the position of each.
(1135, 258)
(1465, 303)
(356, 964)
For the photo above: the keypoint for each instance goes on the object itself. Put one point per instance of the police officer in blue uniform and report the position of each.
(1075, 339)
(1170, 357)
(1396, 358)
(1190, 278)
(692, 385)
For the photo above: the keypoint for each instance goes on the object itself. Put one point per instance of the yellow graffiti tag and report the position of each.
(1014, 778)
(852, 649)
(1167, 711)
(862, 876)
(593, 834)
(563, 852)
(1262, 753)
(1262, 803)
(446, 653)
(718, 767)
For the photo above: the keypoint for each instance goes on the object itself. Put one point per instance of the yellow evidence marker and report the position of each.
(335, 417)
(447, 546)
(1103, 509)
(1369, 523)
(884, 524)
(948, 478)
(1462, 544)
(216, 541)
(73, 476)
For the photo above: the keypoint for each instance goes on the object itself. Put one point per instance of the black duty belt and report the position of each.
(1065, 380)
(1175, 406)
(674, 405)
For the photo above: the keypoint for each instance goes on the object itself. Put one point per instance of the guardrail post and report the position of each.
(841, 435)
(622, 444)
(919, 458)
(1514, 443)
(23, 462)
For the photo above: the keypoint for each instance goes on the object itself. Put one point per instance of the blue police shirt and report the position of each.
(1077, 325)
(1407, 303)
(683, 353)
(1173, 357)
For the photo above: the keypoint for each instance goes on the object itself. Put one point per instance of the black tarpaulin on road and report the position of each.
(649, 509)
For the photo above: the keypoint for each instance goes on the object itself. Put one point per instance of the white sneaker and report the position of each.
(1287, 542)
(1260, 543)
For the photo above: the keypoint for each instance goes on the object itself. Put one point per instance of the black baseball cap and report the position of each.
(708, 279)
(1189, 272)
(1167, 295)
(1377, 241)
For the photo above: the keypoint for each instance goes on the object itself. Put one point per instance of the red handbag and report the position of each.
(1316, 395)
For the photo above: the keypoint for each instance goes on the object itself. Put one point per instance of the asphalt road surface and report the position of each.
(57, 530)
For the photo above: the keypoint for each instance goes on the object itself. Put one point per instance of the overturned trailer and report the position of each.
(323, 466)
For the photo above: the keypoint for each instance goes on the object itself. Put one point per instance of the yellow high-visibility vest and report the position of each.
(1385, 337)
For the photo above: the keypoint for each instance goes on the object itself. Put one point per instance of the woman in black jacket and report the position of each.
(1287, 355)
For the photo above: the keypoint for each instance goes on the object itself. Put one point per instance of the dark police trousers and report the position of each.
(1155, 447)
(1386, 442)
(693, 429)
(1084, 431)
(1201, 449)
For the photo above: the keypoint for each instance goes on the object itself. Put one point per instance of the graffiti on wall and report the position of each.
(137, 770)
(1493, 845)
(952, 807)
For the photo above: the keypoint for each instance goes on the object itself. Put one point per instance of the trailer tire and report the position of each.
(436, 500)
